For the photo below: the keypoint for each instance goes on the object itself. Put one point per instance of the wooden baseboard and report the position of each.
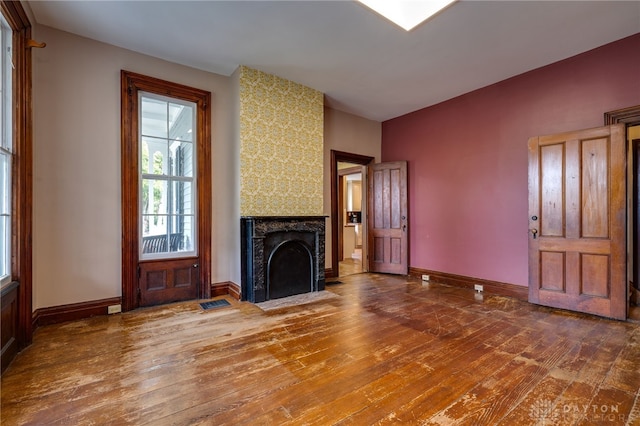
(489, 287)
(234, 291)
(225, 288)
(329, 273)
(78, 311)
(73, 312)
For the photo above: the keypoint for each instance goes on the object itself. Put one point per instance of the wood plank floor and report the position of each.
(350, 266)
(388, 350)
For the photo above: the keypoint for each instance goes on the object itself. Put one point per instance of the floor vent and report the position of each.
(215, 304)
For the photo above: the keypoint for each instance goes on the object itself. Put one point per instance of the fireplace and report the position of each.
(281, 256)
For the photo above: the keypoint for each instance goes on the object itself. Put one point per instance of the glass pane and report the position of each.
(5, 244)
(181, 159)
(3, 37)
(7, 78)
(6, 147)
(183, 239)
(180, 122)
(182, 198)
(154, 196)
(5, 188)
(154, 224)
(155, 156)
(168, 153)
(154, 117)
(154, 234)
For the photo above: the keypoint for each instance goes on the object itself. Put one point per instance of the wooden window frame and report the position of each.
(22, 173)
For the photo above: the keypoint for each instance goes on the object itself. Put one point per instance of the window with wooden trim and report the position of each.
(6, 150)
(166, 191)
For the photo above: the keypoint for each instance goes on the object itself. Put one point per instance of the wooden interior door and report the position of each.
(577, 219)
(387, 218)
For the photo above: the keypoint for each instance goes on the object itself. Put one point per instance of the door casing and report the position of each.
(629, 116)
(341, 157)
(131, 83)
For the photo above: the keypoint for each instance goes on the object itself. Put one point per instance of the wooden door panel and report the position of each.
(170, 281)
(552, 196)
(595, 188)
(388, 241)
(552, 271)
(184, 276)
(154, 280)
(387, 250)
(577, 221)
(395, 251)
(378, 250)
(595, 273)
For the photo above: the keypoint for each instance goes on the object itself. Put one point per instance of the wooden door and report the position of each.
(168, 281)
(387, 223)
(166, 191)
(577, 256)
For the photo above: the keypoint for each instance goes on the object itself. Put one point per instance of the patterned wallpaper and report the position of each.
(281, 146)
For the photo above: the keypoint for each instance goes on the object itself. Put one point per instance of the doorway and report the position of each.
(351, 230)
(349, 160)
(166, 191)
(633, 139)
(631, 118)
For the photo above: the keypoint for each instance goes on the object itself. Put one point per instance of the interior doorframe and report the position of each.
(131, 83)
(340, 157)
(629, 117)
(342, 175)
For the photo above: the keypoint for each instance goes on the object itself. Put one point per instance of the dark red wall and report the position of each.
(468, 157)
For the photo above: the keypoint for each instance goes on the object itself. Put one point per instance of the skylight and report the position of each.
(407, 14)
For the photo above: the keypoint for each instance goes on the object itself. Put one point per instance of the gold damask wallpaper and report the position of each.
(281, 146)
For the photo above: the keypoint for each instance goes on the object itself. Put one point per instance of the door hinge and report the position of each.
(139, 272)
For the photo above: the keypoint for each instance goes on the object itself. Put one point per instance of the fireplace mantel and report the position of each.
(265, 240)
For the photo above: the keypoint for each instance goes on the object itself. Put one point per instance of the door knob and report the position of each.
(535, 233)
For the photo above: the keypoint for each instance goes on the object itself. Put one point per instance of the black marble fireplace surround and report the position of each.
(281, 256)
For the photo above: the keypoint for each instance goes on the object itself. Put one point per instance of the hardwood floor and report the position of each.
(389, 350)
(350, 266)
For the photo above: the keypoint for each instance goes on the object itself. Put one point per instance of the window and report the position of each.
(167, 176)
(6, 151)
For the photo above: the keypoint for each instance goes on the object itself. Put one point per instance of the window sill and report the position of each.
(6, 288)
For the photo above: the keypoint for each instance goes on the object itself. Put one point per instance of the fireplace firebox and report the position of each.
(281, 256)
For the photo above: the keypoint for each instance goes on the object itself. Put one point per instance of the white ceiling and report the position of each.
(364, 64)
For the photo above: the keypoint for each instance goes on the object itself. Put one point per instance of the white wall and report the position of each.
(347, 133)
(76, 197)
